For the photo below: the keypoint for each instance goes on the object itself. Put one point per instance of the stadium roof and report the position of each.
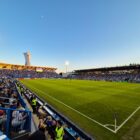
(23, 67)
(130, 67)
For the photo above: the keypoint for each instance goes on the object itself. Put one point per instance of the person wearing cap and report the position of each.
(59, 131)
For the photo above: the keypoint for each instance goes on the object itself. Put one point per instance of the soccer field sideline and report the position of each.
(116, 128)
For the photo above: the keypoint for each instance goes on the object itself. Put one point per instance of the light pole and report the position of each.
(66, 64)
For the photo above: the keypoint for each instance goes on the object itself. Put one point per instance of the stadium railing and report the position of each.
(15, 123)
(21, 99)
(10, 123)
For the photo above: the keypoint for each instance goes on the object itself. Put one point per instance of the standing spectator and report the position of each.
(19, 119)
(51, 129)
(34, 103)
(59, 131)
(41, 112)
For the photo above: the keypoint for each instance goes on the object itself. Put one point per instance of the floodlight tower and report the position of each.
(66, 64)
(27, 56)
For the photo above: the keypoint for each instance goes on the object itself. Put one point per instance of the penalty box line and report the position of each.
(129, 117)
(76, 111)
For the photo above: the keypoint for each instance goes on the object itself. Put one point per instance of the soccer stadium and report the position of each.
(69, 70)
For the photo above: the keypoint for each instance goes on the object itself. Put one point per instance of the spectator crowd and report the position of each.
(12, 112)
(27, 74)
(119, 77)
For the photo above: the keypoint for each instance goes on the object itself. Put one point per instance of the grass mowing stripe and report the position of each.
(102, 103)
(98, 100)
(75, 110)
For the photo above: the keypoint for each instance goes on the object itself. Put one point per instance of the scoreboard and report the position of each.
(39, 70)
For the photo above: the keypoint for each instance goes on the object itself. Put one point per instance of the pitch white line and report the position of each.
(131, 115)
(114, 131)
(76, 111)
(110, 125)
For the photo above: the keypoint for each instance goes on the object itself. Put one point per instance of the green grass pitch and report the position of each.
(98, 101)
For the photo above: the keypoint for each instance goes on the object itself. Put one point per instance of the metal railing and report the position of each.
(15, 122)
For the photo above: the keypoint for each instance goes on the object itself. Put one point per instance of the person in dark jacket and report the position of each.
(39, 134)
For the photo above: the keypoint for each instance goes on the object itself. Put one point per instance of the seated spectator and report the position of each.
(14, 104)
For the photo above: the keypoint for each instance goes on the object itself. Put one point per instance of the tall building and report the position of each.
(27, 56)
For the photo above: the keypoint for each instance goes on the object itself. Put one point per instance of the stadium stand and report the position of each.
(15, 118)
(27, 74)
(21, 71)
(125, 73)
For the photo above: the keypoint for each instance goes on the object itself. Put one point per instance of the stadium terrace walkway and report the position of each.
(35, 120)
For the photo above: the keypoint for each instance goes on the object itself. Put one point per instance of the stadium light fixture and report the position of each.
(67, 64)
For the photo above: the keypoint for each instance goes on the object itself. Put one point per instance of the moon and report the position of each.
(42, 17)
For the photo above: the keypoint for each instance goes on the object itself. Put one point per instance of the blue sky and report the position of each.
(88, 33)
